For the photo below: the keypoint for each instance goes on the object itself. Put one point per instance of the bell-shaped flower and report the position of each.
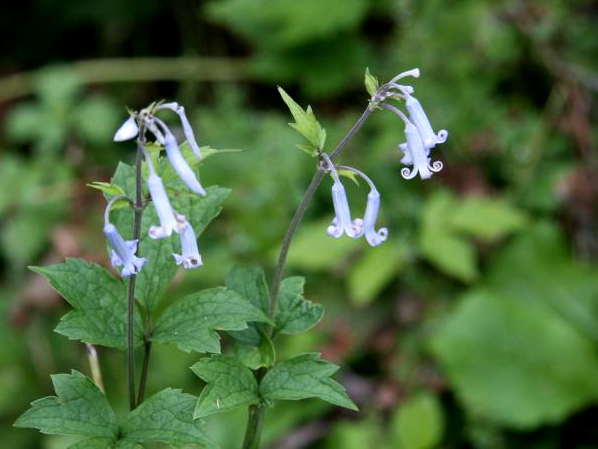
(180, 165)
(416, 154)
(190, 257)
(373, 237)
(421, 122)
(127, 130)
(342, 222)
(168, 220)
(187, 130)
(122, 252)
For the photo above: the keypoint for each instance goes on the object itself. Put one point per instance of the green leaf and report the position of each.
(374, 270)
(418, 423)
(167, 417)
(250, 283)
(97, 443)
(448, 251)
(255, 355)
(230, 384)
(99, 301)
(306, 124)
(304, 376)
(106, 187)
(294, 314)
(486, 218)
(79, 409)
(160, 268)
(371, 82)
(191, 321)
(539, 371)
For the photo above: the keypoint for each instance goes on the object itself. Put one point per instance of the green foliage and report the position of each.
(190, 322)
(98, 300)
(294, 314)
(306, 124)
(167, 417)
(79, 409)
(371, 83)
(418, 423)
(304, 376)
(230, 384)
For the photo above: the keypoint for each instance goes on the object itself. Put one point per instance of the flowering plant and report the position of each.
(123, 311)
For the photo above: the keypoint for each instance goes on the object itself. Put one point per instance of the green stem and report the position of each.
(138, 211)
(147, 349)
(255, 419)
(255, 423)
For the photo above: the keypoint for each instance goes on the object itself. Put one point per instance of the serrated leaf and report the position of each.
(294, 314)
(160, 267)
(79, 409)
(537, 372)
(167, 416)
(99, 301)
(255, 355)
(306, 124)
(106, 187)
(304, 376)
(98, 443)
(191, 321)
(371, 82)
(230, 384)
(250, 283)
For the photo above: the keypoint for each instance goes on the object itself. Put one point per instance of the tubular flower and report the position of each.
(168, 221)
(342, 221)
(187, 130)
(190, 257)
(127, 130)
(123, 252)
(421, 122)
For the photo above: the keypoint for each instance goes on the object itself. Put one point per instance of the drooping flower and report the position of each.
(368, 224)
(122, 252)
(187, 130)
(127, 130)
(414, 151)
(168, 220)
(421, 122)
(178, 162)
(342, 222)
(190, 257)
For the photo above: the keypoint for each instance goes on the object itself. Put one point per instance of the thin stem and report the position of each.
(255, 420)
(138, 211)
(147, 349)
(255, 423)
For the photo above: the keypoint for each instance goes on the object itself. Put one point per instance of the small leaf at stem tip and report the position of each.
(106, 187)
(349, 174)
(305, 124)
(371, 82)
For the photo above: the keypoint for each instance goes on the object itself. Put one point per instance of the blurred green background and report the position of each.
(474, 326)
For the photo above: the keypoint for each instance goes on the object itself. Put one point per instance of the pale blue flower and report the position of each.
(122, 253)
(190, 257)
(127, 130)
(168, 221)
(342, 222)
(187, 130)
(421, 122)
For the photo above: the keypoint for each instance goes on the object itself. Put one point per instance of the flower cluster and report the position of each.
(123, 252)
(420, 138)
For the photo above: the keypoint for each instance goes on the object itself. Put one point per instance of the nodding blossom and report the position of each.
(342, 222)
(421, 122)
(187, 130)
(122, 252)
(190, 257)
(127, 130)
(368, 224)
(168, 221)
(414, 151)
(178, 162)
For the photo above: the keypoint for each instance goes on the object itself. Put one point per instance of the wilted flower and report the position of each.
(190, 257)
(122, 252)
